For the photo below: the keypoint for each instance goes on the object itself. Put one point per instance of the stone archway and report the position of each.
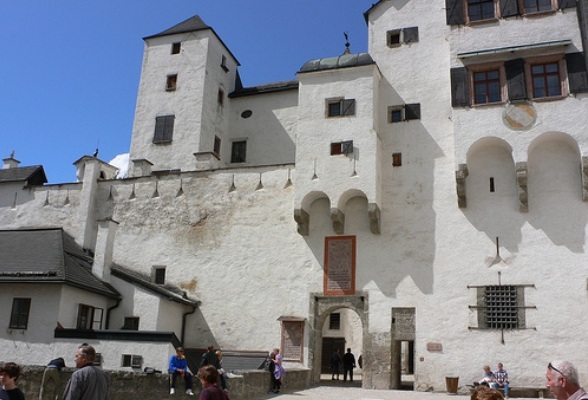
(320, 308)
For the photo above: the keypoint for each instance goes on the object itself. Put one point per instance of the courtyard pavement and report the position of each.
(354, 393)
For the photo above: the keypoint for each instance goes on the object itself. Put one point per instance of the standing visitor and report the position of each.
(348, 365)
(88, 382)
(51, 382)
(335, 364)
(279, 370)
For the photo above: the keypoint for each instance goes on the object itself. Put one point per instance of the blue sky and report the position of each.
(69, 70)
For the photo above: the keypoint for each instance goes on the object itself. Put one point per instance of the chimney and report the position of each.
(104, 248)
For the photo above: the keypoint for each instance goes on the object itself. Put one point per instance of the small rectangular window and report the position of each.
(335, 321)
(396, 159)
(480, 10)
(393, 38)
(501, 307)
(487, 87)
(217, 146)
(89, 317)
(176, 47)
(132, 360)
(345, 147)
(221, 97)
(171, 83)
(224, 64)
(239, 151)
(19, 316)
(546, 80)
(131, 324)
(537, 6)
(406, 112)
(492, 188)
(164, 129)
(340, 107)
(159, 275)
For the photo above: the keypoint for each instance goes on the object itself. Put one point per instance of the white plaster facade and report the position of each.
(226, 231)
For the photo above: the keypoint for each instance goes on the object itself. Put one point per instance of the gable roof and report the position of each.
(48, 256)
(169, 292)
(192, 24)
(33, 175)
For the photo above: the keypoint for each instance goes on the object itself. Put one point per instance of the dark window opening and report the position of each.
(479, 10)
(224, 64)
(546, 80)
(396, 159)
(393, 38)
(341, 107)
(217, 146)
(487, 87)
(335, 321)
(19, 316)
(164, 129)
(239, 151)
(492, 188)
(176, 47)
(221, 97)
(535, 6)
(89, 317)
(345, 147)
(159, 275)
(171, 83)
(501, 307)
(396, 115)
(131, 324)
(404, 113)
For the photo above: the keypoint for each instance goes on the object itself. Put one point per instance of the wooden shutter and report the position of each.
(159, 126)
(515, 79)
(508, 8)
(454, 12)
(566, 3)
(168, 128)
(348, 107)
(460, 88)
(577, 76)
(412, 111)
(411, 35)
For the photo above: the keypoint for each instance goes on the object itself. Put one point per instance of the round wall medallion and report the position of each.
(246, 114)
(519, 116)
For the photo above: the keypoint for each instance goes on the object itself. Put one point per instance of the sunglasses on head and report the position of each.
(551, 367)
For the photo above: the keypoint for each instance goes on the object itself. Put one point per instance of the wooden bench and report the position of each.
(523, 391)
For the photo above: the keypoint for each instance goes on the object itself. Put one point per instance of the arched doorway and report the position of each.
(352, 314)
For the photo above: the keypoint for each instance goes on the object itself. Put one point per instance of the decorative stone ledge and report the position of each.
(338, 219)
(460, 178)
(523, 195)
(302, 219)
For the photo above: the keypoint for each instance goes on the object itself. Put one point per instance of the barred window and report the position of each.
(501, 307)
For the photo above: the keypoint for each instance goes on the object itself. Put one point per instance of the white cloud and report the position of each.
(121, 162)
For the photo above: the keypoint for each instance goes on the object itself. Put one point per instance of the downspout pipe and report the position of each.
(107, 322)
(184, 317)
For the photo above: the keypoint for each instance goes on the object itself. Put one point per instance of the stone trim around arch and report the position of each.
(320, 308)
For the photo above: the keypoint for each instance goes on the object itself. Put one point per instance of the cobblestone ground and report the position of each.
(352, 393)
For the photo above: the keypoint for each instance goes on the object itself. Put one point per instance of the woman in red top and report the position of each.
(209, 378)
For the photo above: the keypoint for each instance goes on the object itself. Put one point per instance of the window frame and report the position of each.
(176, 48)
(164, 129)
(499, 316)
(483, 68)
(131, 323)
(346, 107)
(335, 321)
(558, 59)
(157, 271)
(17, 314)
(89, 317)
(495, 17)
(171, 83)
(524, 12)
(344, 147)
(239, 155)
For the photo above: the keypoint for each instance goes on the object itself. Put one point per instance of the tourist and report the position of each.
(51, 381)
(500, 380)
(279, 370)
(348, 365)
(221, 371)
(178, 366)
(8, 376)
(209, 378)
(487, 379)
(88, 382)
(335, 364)
(562, 381)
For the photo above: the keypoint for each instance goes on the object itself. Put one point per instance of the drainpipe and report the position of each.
(184, 316)
(107, 322)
